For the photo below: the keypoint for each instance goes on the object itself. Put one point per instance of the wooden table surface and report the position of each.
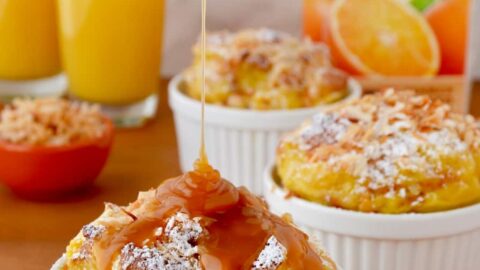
(34, 234)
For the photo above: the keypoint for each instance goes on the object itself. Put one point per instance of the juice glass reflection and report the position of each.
(111, 53)
(29, 54)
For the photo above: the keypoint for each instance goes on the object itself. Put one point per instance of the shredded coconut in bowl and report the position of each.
(50, 122)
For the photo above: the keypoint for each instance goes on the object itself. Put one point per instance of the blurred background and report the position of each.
(182, 19)
(291, 16)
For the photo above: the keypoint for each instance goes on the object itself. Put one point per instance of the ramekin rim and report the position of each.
(393, 222)
(355, 91)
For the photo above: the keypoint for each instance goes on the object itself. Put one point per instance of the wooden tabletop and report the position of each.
(33, 234)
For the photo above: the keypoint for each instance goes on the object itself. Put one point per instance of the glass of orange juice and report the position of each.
(111, 53)
(29, 54)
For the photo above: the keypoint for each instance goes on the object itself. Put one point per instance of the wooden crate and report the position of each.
(451, 89)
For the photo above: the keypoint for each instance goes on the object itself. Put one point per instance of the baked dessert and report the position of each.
(194, 221)
(50, 122)
(265, 70)
(393, 152)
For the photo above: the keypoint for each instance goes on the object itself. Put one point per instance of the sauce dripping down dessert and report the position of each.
(195, 221)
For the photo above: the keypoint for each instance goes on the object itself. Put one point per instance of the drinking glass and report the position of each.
(29, 54)
(111, 53)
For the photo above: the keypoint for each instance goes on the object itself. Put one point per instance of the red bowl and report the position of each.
(44, 171)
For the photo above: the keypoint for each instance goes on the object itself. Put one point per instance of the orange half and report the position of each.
(383, 37)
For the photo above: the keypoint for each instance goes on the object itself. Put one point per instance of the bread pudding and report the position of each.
(195, 221)
(265, 70)
(392, 152)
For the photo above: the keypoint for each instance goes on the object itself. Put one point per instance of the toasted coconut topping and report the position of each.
(265, 69)
(271, 256)
(176, 248)
(92, 232)
(50, 121)
(378, 137)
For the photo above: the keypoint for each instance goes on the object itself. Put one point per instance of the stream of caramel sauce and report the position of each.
(238, 224)
(202, 162)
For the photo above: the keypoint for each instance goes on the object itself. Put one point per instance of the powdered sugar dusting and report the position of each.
(271, 256)
(181, 231)
(92, 232)
(145, 258)
(324, 129)
(83, 253)
(141, 258)
(175, 250)
(446, 141)
(382, 159)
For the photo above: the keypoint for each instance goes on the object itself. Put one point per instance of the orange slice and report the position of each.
(383, 37)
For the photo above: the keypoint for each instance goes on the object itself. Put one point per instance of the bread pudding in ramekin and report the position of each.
(388, 181)
(259, 84)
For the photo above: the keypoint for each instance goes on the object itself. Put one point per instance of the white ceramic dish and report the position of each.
(447, 240)
(239, 143)
(60, 263)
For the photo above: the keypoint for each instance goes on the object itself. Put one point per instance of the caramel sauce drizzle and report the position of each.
(203, 159)
(238, 224)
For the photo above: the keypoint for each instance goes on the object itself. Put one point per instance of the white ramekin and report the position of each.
(239, 143)
(60, 264)
(447, 240)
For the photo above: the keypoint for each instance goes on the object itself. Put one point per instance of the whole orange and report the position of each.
(316, 19)
(449, 20)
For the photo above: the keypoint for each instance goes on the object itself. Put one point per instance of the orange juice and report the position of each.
(28, 39)
(111, 49)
